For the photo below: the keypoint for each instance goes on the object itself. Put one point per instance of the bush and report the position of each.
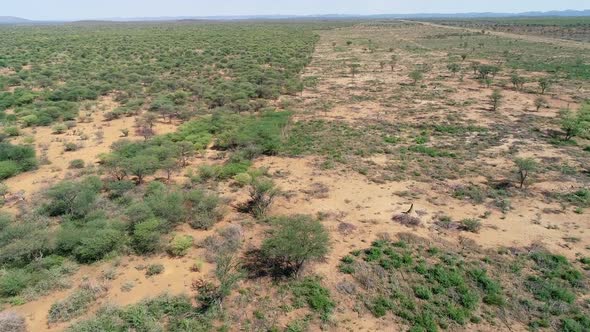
(12, 322)
(574, 123)
(154, 269)
(138, 212)
(204, 209)
(96, 246)
(12, 282)
(118, 188)
(243, 179)
(12, 131)
(262, 193)
(146, 236)
(76, 304)
(15, 159)
(407, 220)
(70, 146)
(8, 168)
(180, 245)
(72, 198)
(59, 128)
(315, 295)
(77, 164)
(294, 241)
(167, 205)
(471, 225)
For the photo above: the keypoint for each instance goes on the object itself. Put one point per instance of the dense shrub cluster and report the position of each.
(213, 65)
(15, 159)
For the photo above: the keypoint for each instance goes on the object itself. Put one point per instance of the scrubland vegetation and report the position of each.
(258, 177)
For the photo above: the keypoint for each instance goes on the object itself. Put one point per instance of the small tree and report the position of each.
(184, 151)
(525, 167)
(142, 166)
(540, 102)
(486, 70)
(574, 124)
(544, 84)
(354, 69)
(262, 193)
(518, 81)
(393, 62)
(416, 76)
(454, 68)
(294, 241)
(496, 99)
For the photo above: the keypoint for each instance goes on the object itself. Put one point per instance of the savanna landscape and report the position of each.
(337, 175)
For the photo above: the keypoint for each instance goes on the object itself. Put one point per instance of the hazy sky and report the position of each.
(85, 9)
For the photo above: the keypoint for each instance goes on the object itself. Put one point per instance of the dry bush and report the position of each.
(228, 239)
(317, 190)
(345, 228)
(12, 322)
(371, 277)
(407, 220)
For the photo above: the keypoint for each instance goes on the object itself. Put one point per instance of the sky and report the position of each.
(95, 9)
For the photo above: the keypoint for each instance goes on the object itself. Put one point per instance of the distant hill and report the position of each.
(562, 13)
(13, 20)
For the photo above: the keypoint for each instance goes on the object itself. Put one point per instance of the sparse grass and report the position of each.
(76, 304)
(309, 291)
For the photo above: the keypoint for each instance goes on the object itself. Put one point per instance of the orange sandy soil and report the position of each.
(351, 197)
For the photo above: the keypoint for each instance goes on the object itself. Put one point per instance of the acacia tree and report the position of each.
(393, 62)
(454, 68)
(184, 150)
(141, 166)
(496, 99)
(294, 241)
(525, 166)
(574, 124)
(416, 76)
(518, 81)
(354, 69)
(544, 84)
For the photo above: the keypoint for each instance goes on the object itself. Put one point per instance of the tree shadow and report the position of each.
(257, 266)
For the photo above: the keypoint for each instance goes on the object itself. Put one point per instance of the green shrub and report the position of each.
(117, 189)
(379, 306)
(262, 193)
(154, 269)
(146, 236)
(96, 246)
(72, 198)
(12, 131)
(294, 241)
(12, 282)
(70, 146)
(243, 179)
(77, 164)
(180, 245)
(167, 205)
(310, 291)
(15, 159)
(59, 128)
(471, 225)
(203, 209)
